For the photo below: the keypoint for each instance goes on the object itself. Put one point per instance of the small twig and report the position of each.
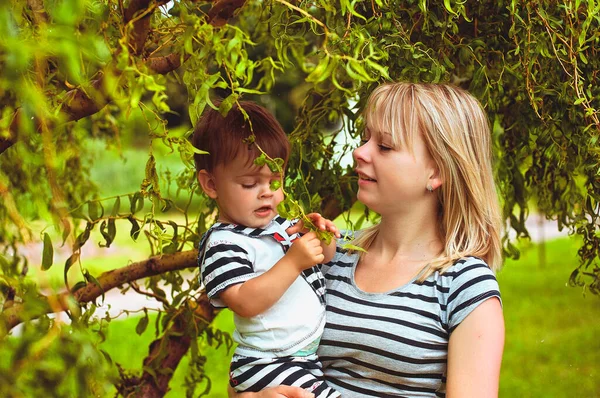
(155, 296)
(307, 15)
(348, 25)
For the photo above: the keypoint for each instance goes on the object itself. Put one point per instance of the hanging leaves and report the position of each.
(47, 253)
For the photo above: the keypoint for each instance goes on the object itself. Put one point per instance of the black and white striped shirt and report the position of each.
(395, 344)
(230, 254)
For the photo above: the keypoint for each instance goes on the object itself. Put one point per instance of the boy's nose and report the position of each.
(266, 192)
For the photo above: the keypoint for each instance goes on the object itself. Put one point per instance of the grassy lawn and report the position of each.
(552, 332)
(129, 350)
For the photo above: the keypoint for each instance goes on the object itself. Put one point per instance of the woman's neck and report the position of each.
(414, 236)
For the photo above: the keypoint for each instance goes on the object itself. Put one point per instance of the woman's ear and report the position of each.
(207, 182)
(435, 179)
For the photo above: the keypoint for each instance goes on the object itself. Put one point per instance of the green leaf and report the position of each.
(287, 208)
(135, 228)
(349, 246)
(136, 202)
(108, 231)
(77, 286)
(449, 8)
(357, 72)
(261, 160)
(90, 278)
(170, 248)
(276, 165)
(324, 236)
(275, 185)
(66, 231)
(318, 74)
(83, 237)
(78, 213)
(227, 104)
(68, 264)
(47, 253)
(106, 357)
(243, 90)
(142, 324)
(383, 70)
(116, 207)
(167, 205)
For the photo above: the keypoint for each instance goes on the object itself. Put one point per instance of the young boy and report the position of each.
(248, 261)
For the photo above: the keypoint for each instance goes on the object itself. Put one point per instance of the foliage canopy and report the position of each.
(79, 71)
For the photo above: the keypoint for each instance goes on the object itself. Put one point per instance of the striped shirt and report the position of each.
(396, 343)
(230, 254)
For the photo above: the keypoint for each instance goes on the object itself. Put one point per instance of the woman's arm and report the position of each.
(475, 353)
(275, 392)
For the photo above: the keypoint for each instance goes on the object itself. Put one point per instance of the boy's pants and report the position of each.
(255, 374)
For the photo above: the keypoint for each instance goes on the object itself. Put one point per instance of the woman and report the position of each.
(418, 314)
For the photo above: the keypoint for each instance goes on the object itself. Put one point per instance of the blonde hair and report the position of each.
(456, 132)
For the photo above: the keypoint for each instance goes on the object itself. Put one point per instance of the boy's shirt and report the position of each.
(230, 254)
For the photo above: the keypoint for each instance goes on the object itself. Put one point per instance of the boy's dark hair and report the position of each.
(222, 137)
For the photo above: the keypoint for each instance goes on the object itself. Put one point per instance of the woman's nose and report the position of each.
(361, 153)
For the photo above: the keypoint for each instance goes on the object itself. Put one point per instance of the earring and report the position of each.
(429, 188)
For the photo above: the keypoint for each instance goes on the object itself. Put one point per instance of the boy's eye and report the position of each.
(248, 186)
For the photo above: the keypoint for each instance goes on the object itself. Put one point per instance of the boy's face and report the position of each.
(243, 192)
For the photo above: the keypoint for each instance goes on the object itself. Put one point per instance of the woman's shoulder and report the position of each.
(467, 268)
(344, 257)
(468, 283)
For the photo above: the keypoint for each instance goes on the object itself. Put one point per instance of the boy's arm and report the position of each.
(258, 294)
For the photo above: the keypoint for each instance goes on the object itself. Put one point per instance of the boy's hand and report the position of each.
(319, 221)
(306, 251)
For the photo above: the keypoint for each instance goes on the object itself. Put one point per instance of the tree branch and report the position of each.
(166, 64)
(12, 316)
(222, 11)
(39, 12)
(138, 11)
(166, 352)
(79, 103)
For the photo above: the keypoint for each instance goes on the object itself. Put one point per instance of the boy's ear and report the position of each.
(207, 182)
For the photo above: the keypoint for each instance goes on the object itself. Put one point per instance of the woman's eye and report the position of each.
(384, 148)
(363, 141)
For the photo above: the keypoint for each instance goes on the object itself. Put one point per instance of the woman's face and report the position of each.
(392, 179)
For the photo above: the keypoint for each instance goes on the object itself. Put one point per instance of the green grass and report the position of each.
(552, 344)
(552, 332)
(129, 349)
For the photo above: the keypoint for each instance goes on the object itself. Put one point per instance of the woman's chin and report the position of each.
(365, 199)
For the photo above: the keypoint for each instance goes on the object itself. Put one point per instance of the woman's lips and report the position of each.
(364, 179)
